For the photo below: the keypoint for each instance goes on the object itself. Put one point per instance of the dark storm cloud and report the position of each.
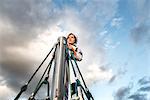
(15, 62)
(28, 14)
(27, 18)
(14, 68)
(21, 21)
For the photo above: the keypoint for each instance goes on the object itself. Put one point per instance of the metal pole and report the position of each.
(58, 87)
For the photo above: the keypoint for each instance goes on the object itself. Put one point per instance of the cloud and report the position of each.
(116, 22)
(122, 93)
(121, 72)
(101, 12)
(24, 20)
(21, 22)
(96, 74)
(7, 93)
(138, 97)
(113, 78)
(140, 33)
(146, 88)
(143, 81)
(106, 40)
(134, 92)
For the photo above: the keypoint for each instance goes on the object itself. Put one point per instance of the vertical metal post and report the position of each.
(58, 87)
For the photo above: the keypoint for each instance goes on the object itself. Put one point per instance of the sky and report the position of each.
(114, 36)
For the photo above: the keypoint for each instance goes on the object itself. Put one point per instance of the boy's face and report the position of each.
(71, 39)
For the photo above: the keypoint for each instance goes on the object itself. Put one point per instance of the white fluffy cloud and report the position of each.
(6, 93)
(96, 73)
